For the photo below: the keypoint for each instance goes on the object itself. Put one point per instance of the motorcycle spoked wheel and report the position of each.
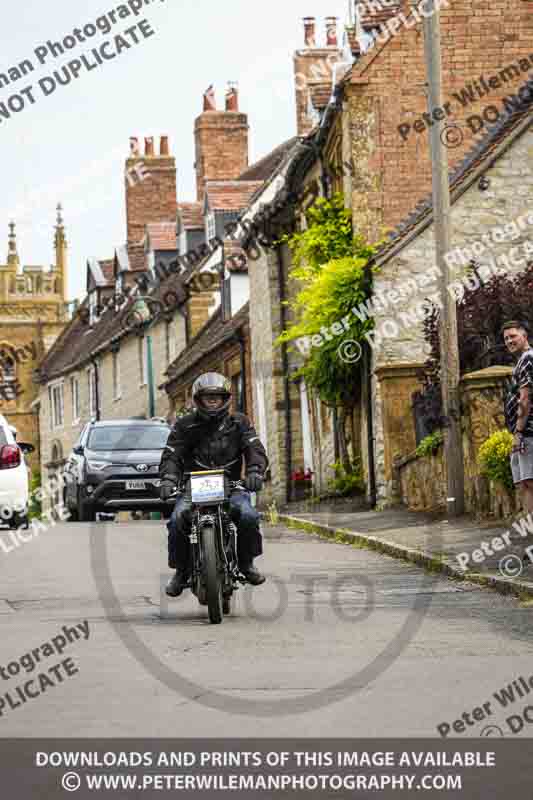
(212, 575)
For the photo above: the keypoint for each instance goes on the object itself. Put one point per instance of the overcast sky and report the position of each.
(70, 146)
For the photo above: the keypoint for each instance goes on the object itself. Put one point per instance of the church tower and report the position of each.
(33, 313)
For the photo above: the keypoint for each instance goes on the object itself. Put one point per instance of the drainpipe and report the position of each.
(96, 389)
(370, 429)
(286, 381)
(242, 346)
(150, 369)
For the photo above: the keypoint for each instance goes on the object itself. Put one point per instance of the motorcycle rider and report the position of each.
(209, 438)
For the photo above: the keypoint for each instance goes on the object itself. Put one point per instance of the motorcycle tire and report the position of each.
(212, 576)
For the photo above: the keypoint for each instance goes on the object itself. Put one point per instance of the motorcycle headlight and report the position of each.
(97, 466)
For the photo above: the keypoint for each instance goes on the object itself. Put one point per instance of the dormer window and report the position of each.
(93, 307)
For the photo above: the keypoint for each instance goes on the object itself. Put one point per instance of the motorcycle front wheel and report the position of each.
(212, 575)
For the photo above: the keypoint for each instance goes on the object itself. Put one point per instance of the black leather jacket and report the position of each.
(195, 444)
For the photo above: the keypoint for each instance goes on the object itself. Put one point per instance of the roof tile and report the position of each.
(191, 215)
(162, 235)
(231, 195)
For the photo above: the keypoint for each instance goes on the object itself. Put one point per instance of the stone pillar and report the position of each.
(397, 437)
(482, 394)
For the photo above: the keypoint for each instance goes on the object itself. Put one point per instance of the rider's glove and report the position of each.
(254, 481)
(167, 488)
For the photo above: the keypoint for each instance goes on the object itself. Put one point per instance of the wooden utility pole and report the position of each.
(449, 347)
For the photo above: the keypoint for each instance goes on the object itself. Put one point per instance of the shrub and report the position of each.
(430, 444)
(347, 482)
(35, 506)
(493, 458)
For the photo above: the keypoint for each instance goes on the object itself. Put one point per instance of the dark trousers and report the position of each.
(249, 539)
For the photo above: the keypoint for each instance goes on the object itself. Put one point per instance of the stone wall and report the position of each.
(421, 480)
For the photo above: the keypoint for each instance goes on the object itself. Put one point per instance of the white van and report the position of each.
(14, 478)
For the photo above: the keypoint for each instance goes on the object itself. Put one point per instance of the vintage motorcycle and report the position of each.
(214, 571)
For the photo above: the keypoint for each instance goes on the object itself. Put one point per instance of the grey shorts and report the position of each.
(522, 463)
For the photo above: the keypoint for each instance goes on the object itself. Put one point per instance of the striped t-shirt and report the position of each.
(522, 376)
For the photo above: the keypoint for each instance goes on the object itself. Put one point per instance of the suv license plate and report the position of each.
(136, 485)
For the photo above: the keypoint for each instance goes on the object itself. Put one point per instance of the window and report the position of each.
(8, 370)
(75, 395)
(128, 437)
(211, 227)
(91, 381)
(168, 334)
(237, 393)
(170, 341)
(261, 408)
(117, 389)
(55, 393)
(183, 248)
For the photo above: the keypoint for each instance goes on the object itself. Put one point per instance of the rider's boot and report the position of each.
(177, 583)
(252, 574)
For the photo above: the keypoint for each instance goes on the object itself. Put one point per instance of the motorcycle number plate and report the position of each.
(136, 485)
(207, 488)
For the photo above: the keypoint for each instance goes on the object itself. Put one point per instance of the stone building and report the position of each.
(492, 226)
(300, 431)
(110, 360)
(33, 313)
(369, 140)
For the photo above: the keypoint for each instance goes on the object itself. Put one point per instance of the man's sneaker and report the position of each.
(252, 575)
(177, 584)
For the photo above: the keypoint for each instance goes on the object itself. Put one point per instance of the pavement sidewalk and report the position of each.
(433, 542)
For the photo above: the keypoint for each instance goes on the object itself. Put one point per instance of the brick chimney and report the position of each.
(313, 67)
(221, 140)
(150, 181)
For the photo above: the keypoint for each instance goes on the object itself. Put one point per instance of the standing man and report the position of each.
(518, 409)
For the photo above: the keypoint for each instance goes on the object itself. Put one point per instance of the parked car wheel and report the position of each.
(72, 511)
(20, 521)
(86, 509)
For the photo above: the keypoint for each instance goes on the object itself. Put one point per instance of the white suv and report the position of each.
(14, 478)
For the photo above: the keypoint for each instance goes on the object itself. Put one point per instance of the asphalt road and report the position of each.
(339, 642)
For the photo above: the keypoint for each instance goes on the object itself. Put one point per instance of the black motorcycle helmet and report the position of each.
(215, 384)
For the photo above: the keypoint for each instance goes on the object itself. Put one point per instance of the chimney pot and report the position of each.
(310, 31)
(232, 98)
(331, 31)
(210, 103)
(163, 146)
(149, 146)
(134, 146)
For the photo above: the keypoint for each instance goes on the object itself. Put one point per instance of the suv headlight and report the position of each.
(97, 466)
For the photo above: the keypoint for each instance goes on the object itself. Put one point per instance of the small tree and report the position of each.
(481, 312)
(331, 265)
